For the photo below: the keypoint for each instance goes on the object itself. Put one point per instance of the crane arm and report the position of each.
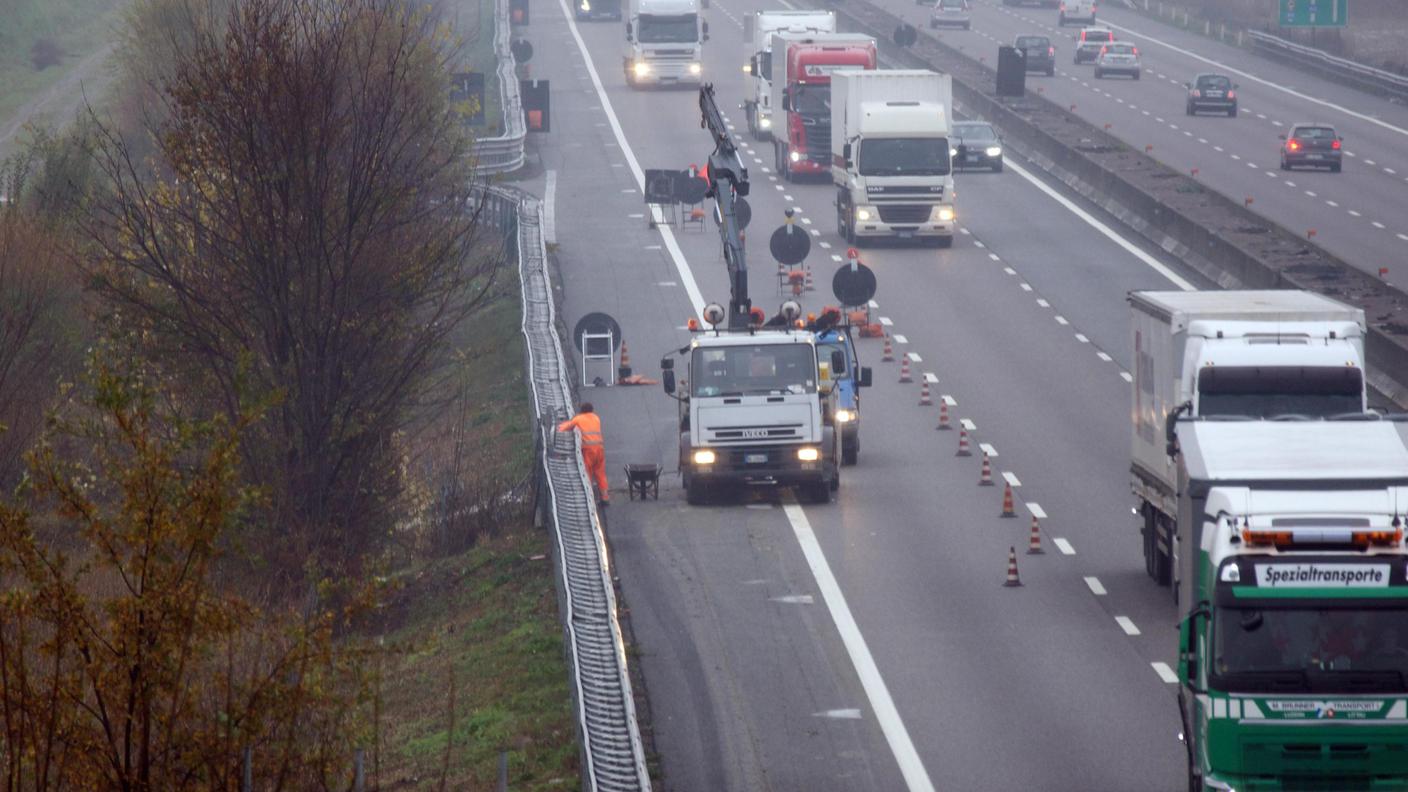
(728, 181)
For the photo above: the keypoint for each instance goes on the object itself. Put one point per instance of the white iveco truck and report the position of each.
(758, 28)
(1278, 356)
(891, 154)
(665, 43)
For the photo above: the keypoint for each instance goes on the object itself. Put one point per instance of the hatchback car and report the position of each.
(976, 144)
(1089, 41)
(1316, 145)
(1117, 58)
(1082, 11)
(1214, 92)
(951, 13)
(1041, 55)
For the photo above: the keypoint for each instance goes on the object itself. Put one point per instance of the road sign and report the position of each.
(1313, 13)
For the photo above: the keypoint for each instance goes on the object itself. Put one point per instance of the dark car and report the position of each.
(1316, 145)
(1215, 92)
(1041, 55)
(976, 144)
(593, 10)
(1089, 42)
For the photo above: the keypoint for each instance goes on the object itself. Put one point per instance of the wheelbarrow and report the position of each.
(643, 479)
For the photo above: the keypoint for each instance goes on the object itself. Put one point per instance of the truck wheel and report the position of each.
(695, 493)
(850, 452)
(816, 491)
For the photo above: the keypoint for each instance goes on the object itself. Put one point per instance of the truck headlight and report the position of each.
(704, 457)
(586, 6)
(694, 68)
(864, 213)
(845, 416)
(994, 151)
(765, 122)
(808, 454)
(641, 68)
(795, 156)
(943, 214)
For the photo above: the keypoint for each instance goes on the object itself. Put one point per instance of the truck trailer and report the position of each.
(758, 28)
(801, 96)
(664, 43)
(1270, 355)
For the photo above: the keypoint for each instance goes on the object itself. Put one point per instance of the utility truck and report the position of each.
(1293, 644)
(1272, 355)
(891, 157)
(801, 95)
(758, 29)
(664, 43)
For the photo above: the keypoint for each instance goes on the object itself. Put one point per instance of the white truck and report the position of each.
(891, 157)
(1293, 643)
(758, 28)
(664, 43)
(1278, 356)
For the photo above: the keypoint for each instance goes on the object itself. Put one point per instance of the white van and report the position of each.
(1077, 11)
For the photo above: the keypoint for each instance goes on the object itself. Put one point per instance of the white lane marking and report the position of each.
(949, 400)
(1311, 193)
(1126, 376)
(1218, 149)
(814, 231)
(1165, 673)
(1009, 270)
(1011, 478)
(1390, 171)
(806, 221)
(550, 208)
(1235, 156)
(1127, 625)
(886, 321)
(1403, 237)
(1061, 320)
(899, 339)
(994, 257)
(835, 256)
(842, 714)
(1129, 247)
(1103, 356)
(1370, 162)
(978, 244)
(1026, 287)
(967, 424)
(1290, 183)
(1064, 546)
(914, 357)
(1043, 303)
(1204, 141)
(793, 599)
(1036, 510)
(825, 245)
(1376, 224)
(1225, 68)
(652, 247)
(1096, 587)
(789, 199)
(1331, 203)
(635, 215)
(1081, 338)
(886, 714)
(988, 450)
(931, 378)
(1353, 213)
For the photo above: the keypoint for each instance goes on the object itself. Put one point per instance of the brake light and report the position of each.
(1050, 50)
(1231, 94)
(1136, 50)
(1197, 94)
(1335, 145)
(1103, 50)
(1293, 144)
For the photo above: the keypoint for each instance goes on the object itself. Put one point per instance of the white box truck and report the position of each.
(665, 43)
(890, 154)
(758, 28)
(1274, 355)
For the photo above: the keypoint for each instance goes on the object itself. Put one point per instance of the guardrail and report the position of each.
(504, 153)
(1356, 74)
(613, 759)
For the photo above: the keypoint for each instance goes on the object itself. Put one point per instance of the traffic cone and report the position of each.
(904, 370)
(1034, 544)
(1009, 507)
(887, 355)
(1012, 578)
(925, 400)
(963, 443)
(623, 369)
(943, 415)
(985, 476)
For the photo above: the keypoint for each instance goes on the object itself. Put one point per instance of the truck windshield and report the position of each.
(1312, 649)
(904, 157)
(667, 29)
(812, 100)
(1269, 391)
(755, 369)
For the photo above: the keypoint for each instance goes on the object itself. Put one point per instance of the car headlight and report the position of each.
(953, 152)
(808, 454)
(586, 6)
(865, 213)
(765, 122)
(943, 214)
(694, 68)
(994, 151)
(845, 416)
(641, 68)
(704, 457)
(795, 156)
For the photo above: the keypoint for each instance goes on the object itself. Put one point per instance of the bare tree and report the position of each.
(307, 233)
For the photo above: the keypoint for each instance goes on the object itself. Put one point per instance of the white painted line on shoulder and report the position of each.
(1081, 338)
(825, 245)
(886, 321)
(1026, 287)
(1290, 183)
(1376, 224)
(914, 357)
(1009, 270)
(949, 400)
(886, 714)
(967, 424)
(1061, 320)
(652, 247)
(1096, 587)
(988, 449)
(1403, 237)
(1103, 356)
(836, 257)
(931, 378)
(1353, 213)
(1064, 546)
(1126, 376)
(1311, 193)
(1011, 478)
(1165, 673)
(788, 198)
(1331, 203)
(994, 257)
(1127, 624)
(873, 304)
(1043, 303)
(900, 339)
(1036, 510)
(635, 215)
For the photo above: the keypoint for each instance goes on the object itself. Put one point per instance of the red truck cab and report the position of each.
(806, 98)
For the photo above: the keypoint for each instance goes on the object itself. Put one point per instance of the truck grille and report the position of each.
(745, 434)
(904, 213)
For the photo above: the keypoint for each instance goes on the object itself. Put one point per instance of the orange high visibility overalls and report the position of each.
(593, 454)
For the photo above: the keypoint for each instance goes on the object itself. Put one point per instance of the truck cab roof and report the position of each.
(739, 338)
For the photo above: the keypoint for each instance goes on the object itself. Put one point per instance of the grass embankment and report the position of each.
(482, 669)
(474, 23)
(77, 27)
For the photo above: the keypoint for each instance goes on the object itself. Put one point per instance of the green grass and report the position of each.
(475, 26)
(79, 27)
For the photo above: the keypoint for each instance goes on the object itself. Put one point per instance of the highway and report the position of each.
(869, 644)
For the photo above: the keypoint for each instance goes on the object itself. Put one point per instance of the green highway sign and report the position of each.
(1313, 13)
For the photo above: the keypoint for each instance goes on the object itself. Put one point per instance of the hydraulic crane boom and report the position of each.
(728, 181)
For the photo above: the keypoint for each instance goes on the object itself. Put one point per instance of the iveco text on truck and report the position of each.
(1293, 646)
(758, 28)
(664, 43)
(891, 157)
(1252, 354)
(801, 96)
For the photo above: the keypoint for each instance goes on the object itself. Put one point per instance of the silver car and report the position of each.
(1117, 57)
(951, 13)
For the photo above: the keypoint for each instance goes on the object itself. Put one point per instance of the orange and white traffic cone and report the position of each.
(887, 355)
(1013, 580)
(904, 370)
(943, 415)
(985, 476)
(925, 400)
(1034, 544)
(1009, 506)
(963, 449)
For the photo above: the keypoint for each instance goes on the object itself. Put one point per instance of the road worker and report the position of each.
(588, 423)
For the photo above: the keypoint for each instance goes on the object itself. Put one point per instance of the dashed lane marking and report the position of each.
(1009, 270)
(1126, 376)
(1064, 546)
(886, 321)
(1127, 625)
(1043, 303)
(1103, 356)
(1081, 338)
(914, 357)
(899, 339)
(1096, 587)
(1011, 478)
(988, 449)
(1061, 320)
(1026, 287)
(948, 400)
(967, 424)
(1165, 673)
(1376, 224)
(1036, 510)
(931, 378)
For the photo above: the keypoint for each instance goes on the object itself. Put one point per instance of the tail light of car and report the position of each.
(1196, 94)
(1103, 50)
(1051, 51)
(1136, 52)
(1293, 145)
(1335, 145)
(1231, 94)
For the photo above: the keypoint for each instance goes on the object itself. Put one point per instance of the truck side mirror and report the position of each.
(846, 154)
(667, 378)
(704, 27)
(1188, 635)
(1171, 427)
(865, 376)
(786, 100)
(628, 32)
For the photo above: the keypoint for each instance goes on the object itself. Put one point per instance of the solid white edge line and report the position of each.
(911, 766)
(1109, 233)
(690, 284)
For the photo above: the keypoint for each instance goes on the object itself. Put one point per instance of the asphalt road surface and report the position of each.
(869, 644)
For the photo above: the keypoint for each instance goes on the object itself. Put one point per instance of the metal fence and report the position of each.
(612, 755)
(1338, 68)
(504, 153)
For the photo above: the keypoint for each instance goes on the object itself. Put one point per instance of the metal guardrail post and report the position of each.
(1341, 68)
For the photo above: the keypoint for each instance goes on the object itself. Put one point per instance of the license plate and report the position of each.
(755, 459)
(1315, 156)
(906, 234)
(972, 157)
